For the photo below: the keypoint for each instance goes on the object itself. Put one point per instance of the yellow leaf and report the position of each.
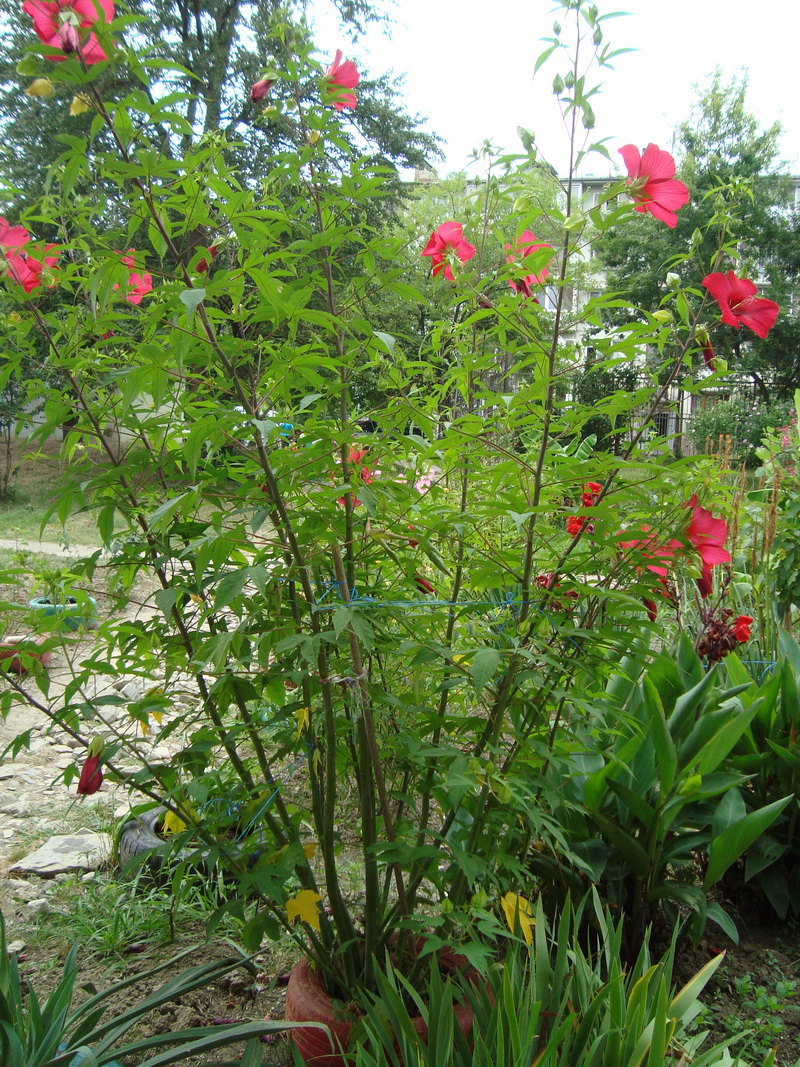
(518, 915)
(40, 87)
(304, 907)
(461, 660)
(174, 824)
(303, 716)
(145, 725)
(313, 136)
(80, 103)
(310, 851)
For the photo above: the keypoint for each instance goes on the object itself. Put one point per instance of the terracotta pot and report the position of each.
(14, 649)
(307, 1000)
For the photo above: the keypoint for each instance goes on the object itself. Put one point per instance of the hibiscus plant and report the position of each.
(378, 626)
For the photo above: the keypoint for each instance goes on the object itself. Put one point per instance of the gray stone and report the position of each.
(15, 947)
(81, 851)
(40, 906)
(22, 890)
(11, 770)
(14, 806)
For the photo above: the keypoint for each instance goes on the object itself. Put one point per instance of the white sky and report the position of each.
(469, 68)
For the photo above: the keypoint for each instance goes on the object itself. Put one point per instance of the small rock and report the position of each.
(14, 806)
(7, 834)
(21, 890)
(81, 851)
(40, 906)
(15, 947)
(88, 877)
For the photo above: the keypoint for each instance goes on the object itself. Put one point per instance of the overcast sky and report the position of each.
(469, 69)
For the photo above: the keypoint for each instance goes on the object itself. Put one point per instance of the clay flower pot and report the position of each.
(307, 1000)
(14, 650)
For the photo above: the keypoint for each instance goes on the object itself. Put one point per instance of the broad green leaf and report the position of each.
(728, 846)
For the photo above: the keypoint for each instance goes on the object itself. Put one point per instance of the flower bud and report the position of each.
(259, 89)
(597, 36)
(558, 84)
(673, 280)
(557, 28)
(588, 117)
(663, 315)
(40, 87)
(68, 37)
(80, 103)
(569, 79)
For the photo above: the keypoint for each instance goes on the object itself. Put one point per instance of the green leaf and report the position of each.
(686, 997)
(387, 340)
(717, 914)
(728, 846)
(483, 666)
(190, 298)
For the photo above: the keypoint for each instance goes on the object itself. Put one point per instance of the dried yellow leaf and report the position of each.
(304, 907)
(40, 87)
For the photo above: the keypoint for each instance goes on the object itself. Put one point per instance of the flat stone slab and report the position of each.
(84, 850)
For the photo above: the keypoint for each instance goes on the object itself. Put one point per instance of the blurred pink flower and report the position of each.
(708, 535)
(445, 242)
(342, 75)
(12, 236)
(27, 271)
(652, 182)
(59, 22)
(526, 244)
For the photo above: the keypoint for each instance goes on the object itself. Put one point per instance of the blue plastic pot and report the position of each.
(66, 611)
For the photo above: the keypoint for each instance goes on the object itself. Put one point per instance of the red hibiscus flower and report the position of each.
(739, 304)
(444, 243)
(526, 245)
(709, 355)
(708, 535)
(652, 182)
(341, 76)
(12, 236)
(590, 493)
(91, 776)
(741, 628)
(424, 584)
(59, 24)
(259, 89)
(26, 271)
(574, 525)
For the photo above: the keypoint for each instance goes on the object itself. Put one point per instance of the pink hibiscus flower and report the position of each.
(739, 304)
(708, 535)
(652, 183)
(526, 245)
(341, 76)
(12, 236)
(59, 24)
(26, 271)
(139, 285)
(446, 242)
